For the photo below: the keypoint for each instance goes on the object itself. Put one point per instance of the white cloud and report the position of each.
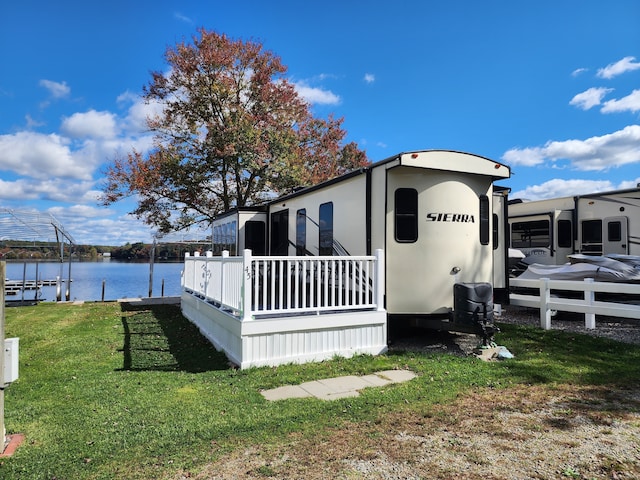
(56, 89)
(369, 78)
(31, 123)
(579, 71)
(139, 111)
(593, 154)
(76, 211)
(316, 95)
(96, 226)
(527, 157)
(38, 155)
(11, 190)
(590, 98)
(630, 103)
(630, 184)
(91, 124)
(562, 188)
(55, 189)
(182, 18)
(325, 76)
(627, 64)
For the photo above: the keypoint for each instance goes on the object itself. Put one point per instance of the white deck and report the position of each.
(295, 310)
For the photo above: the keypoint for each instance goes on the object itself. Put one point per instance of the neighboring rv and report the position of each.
(435, 214)
(546, 231)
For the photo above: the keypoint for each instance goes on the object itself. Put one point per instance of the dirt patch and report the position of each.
(525, 432)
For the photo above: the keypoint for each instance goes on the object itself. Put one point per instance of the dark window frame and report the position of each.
(255, 235)
(565, 234)
(531, 234)
(325, 229)
(279, 233)
(615, 234)
(484, 215)
(301, 232)
(591, 236)
(405, 228)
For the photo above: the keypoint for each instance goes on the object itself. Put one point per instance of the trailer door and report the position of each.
(615, 235)
(563, 237)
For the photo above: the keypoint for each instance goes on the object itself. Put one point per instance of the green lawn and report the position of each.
(105, 392)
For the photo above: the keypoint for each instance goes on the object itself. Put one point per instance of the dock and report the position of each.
(14, 287)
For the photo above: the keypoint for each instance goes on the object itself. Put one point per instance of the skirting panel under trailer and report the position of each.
(272, 341)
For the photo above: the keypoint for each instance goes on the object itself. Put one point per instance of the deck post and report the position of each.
(589, 298)
(246, 285)
(224, 256)
(545, 298)
(379, 279)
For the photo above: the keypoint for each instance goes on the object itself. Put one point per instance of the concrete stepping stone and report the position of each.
(338, 387)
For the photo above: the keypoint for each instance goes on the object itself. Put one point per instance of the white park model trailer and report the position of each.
(546, 231)
(435, 214)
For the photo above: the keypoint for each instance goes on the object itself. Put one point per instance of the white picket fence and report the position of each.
(264, 310)
(251, 286)
(549, 302)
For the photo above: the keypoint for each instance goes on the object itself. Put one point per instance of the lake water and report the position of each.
(121, 279)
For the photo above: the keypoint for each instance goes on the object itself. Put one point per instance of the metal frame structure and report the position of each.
(34, 226)
(31, 225)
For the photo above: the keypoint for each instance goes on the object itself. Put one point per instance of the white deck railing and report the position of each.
(249, 286)
(547, 302)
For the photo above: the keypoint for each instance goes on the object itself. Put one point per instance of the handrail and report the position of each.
(249, 286)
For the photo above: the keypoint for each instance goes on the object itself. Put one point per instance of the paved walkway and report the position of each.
(339, 387)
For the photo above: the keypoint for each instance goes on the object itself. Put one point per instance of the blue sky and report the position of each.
(551, 88)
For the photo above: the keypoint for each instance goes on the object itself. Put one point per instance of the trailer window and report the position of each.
(326, 229)
(254, 237)
(592, 236)
(534, 233)
(496, 232)
(484, 220)
(565, 236)
(406, 215)
(614, 233)
(280, 233)
(225, 237)
(301, 232)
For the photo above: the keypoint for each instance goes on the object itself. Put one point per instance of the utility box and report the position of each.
(11, 346)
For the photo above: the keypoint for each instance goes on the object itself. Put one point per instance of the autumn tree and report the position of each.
(233, 131)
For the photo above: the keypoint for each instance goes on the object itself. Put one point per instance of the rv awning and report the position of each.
(455, 162)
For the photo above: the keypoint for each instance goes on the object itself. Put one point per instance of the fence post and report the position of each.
(225, 256)
(379, 279)
(589, 297)
(246, 285)
(545, 298)
(186, 283)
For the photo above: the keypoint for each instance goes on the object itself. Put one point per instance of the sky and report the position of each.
(550, 88)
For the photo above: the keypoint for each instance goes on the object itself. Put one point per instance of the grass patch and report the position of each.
(107, 391)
